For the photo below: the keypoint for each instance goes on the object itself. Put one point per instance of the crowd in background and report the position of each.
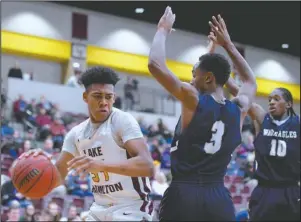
(39, 123)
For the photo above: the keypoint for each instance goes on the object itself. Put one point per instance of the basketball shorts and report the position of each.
(121, 212)
(196, 202)
(275, 204)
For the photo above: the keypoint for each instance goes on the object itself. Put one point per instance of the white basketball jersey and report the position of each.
(109, 188)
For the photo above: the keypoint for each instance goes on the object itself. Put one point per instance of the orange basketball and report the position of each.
(34, 177)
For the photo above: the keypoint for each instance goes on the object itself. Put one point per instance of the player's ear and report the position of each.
(85, 97)
(288, 105)
(209, 77)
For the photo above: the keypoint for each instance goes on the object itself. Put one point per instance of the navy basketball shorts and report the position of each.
(275, 204)
(188, 201)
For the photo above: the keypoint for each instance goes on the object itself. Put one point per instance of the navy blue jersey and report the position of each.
(277, 151)
(204, 148)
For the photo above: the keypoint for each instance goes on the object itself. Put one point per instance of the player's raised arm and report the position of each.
(248, 90)
(256, 112)
(184, 92)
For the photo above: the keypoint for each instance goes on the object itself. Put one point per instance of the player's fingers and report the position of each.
(22, 156)
(222, 22)
(77, 164)
(216, 23)
(82, 169)
(75, 159)
(167, 9)
(27, 154)
(39, 152)
(212, 38)
(214, 28)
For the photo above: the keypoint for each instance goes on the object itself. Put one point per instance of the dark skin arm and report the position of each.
(244, 95)
(184, 92)
(140, 165)
(256, 112)
(247, 92)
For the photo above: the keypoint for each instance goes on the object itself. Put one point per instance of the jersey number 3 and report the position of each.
(278, 148)
(218, 130)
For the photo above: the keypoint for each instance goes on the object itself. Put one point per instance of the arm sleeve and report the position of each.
(69, 143)
(127, 127)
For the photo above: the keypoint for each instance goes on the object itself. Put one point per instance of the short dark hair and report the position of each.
(218, 65)
(100, 75)
(288, 97)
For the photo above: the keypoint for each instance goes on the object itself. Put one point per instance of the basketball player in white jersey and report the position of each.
(110, 146)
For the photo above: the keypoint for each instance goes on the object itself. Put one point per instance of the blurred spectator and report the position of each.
(128, 94)
(48, 146)
(118, 103)
(135, 84)
(165, 157)
(58, 132)
(32, 107)
(159, 185)
(26, 146)
(45, 104)
(3, 100)
(154, 150)
(152, 131)
(55, 111)
(13, 214)
(79, 185)
(19, 108)
(6, 130)
(4, 179)
(29, 214)
(73, 80)
(72, 214)
(163, 130)
(45, 216)
(54, 211)
(15, 72)
(43, 121)
(143, 126)
(17, 137)
(9, 194)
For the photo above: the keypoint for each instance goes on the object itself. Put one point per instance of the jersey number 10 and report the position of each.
(278, 148)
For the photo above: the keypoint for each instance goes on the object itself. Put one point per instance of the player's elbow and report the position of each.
(153, 66)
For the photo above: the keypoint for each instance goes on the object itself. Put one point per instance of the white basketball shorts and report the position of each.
(121, 212)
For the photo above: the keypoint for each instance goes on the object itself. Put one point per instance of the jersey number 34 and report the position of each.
(96, 179)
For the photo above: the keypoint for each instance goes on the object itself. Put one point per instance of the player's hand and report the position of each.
(219, 33)
(167, 20)
(85, 164)
(35, 152)
(211, 46)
